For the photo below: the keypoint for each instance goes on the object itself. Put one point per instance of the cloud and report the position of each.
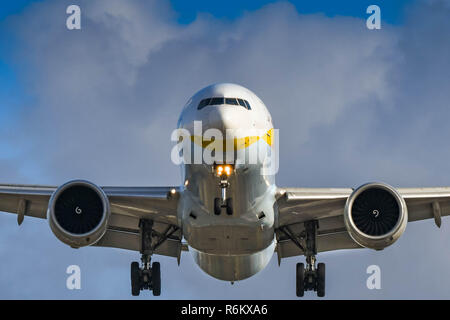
(352, 105)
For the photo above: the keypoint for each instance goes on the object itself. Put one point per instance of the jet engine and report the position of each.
(78, 213)
(375, 215)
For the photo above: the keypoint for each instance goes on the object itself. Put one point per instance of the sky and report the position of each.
(352, 105)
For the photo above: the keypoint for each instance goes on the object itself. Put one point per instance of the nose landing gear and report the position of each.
(219, 204)
(223, 172)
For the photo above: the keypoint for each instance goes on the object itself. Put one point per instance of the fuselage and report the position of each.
(227, 246)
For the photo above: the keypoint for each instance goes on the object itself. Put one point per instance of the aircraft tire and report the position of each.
(217, 206)
(300, 279)
(229, 204)
(321, 279)
(135, 279)
(156, 278)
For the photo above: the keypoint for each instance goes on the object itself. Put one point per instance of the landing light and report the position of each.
(221, 169)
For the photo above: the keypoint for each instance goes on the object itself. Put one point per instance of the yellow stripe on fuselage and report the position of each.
(236, 143)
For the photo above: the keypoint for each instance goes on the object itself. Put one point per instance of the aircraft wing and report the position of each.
(326, 205)
(128, 205)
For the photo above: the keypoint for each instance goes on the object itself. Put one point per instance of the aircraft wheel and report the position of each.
(156, 278)
(135, 279)
(217, 206)
(229, 204)
(321, 279)
(300, 279)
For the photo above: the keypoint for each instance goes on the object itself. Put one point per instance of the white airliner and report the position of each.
(229, 215)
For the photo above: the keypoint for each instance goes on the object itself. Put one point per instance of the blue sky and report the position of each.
(352, 106)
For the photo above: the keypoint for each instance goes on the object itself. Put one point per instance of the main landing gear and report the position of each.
(311, 277)
(147, 277)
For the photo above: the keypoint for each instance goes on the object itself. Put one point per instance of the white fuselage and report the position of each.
(229, 246)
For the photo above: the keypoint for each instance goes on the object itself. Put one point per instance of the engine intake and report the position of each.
(375, 215)
(78, 213)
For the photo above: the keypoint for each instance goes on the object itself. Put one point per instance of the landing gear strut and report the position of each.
(146, 277)
(311, 277)
(223, 202)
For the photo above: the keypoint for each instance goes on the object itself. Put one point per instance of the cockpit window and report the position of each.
(219, 101)
(203, 103)
(242, 103)
(216, 101)
(231, 101)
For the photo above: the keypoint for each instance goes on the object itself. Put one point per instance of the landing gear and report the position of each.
(146, 277)
(309, 277)
(219, 204)
(223, 202)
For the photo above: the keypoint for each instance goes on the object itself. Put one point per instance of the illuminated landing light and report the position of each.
(224, 169)
(173, 191)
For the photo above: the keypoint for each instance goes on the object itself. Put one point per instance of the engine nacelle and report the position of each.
(78, 213)
(375, 215)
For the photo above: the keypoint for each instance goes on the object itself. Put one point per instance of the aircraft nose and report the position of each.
(224, 118)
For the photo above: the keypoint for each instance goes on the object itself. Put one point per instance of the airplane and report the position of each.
(228, 214)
